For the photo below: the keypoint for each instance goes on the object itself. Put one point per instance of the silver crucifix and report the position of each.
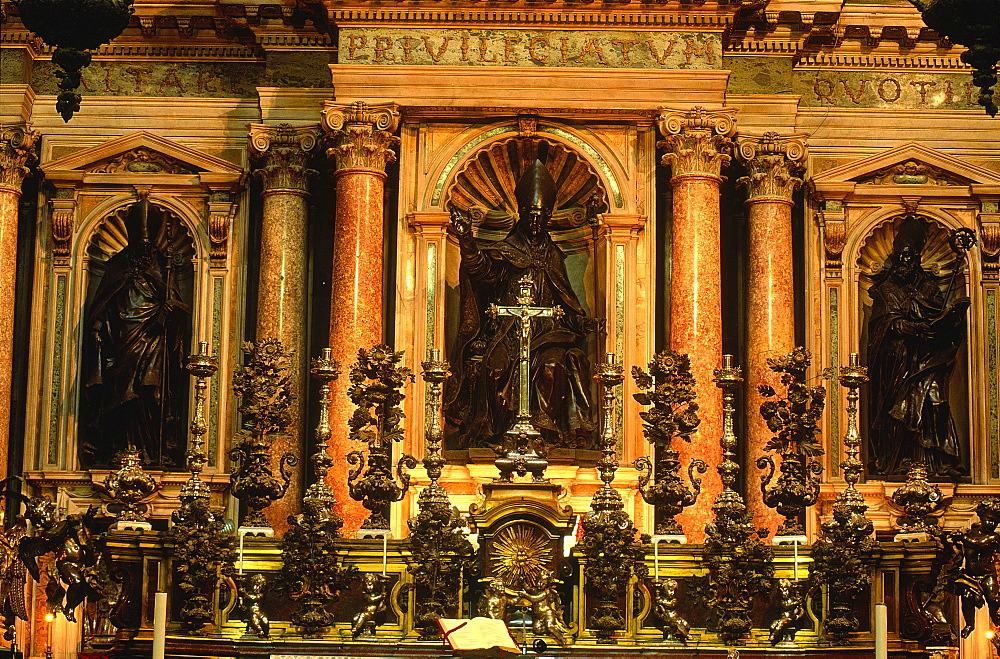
(520, 453)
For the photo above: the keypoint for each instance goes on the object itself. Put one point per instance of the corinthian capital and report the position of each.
(283, 151)
(361, 134)
(17, 153)
(697, 141)
(774, 163)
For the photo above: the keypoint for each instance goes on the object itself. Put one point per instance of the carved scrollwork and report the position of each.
(361, 134)
(774, 165)
(17, 154)
(283, 151)
(989, 244)
(697, 141)
(142, 161)
(834, 239)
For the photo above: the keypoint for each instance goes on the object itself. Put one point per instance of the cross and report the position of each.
(523, 458)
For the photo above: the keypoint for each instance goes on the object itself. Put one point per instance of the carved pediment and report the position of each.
(909, 165)
(129, 158)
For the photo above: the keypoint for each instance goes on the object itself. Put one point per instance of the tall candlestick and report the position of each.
(881, 631)
(159, 625)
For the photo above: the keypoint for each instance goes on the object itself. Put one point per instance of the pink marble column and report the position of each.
(17, 152)
(361, 137)
(283, 151)
(698, 145)
(773, 164)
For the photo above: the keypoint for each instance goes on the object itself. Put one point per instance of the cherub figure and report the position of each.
(373, 591)
(665, 607)
(976, 583)
(546, 606)
(70, 542)
(252, 589)
(792, 609)
(495, 599)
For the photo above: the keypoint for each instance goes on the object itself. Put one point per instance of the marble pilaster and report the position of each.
(17, 153)
(697, 144)
(361, 140)
(774, 166)
(283, 152)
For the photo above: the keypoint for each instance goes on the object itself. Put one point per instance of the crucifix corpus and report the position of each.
(519, 452)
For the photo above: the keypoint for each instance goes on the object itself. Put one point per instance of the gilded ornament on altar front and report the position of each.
(521, 552)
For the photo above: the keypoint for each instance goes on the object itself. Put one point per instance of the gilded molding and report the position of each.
(697, 141)
(17, 154)
(361, 135)
(774, 164)
(284, 151)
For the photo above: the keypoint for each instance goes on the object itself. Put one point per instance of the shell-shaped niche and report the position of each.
(936, 257)
(485, 185)
(169, 235)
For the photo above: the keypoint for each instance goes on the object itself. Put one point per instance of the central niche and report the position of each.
(557, 256)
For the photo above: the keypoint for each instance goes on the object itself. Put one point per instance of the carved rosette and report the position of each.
(697, 141)
(17, 154)
(284, 151)
(774, 166)
(361, 135)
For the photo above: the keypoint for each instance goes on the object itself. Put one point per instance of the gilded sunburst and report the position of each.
(520, 552)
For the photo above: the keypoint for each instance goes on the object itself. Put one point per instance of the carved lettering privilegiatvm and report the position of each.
(361, 134)
(868, 90)
(17, 153)
(588, 48)
(283, 151)
(697, 141)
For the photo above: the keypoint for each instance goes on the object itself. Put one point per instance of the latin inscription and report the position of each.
(115, 78)
(872, 90)
(538, 48)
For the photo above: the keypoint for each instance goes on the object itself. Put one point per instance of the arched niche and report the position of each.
(143, 297)
(874, 263)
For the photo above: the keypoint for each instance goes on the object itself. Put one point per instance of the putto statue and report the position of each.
(482, 398)
(916, 328)
(135, 334)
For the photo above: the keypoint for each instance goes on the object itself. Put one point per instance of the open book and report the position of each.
(478, 634)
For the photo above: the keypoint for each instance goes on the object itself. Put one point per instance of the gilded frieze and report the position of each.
(530, 48)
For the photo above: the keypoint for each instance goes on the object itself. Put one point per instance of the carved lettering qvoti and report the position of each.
(856, 89)
(531, 48)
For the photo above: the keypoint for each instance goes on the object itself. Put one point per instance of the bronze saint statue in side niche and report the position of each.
(482, 398)
(135, 333)
(916, 328)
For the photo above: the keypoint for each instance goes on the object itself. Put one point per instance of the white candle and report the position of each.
(881, 631)
(795, 564)
(159, 625)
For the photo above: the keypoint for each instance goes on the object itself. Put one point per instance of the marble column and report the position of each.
(698, 144)
(283, 152)
(774, 164)
(17, 154)
(361, 140)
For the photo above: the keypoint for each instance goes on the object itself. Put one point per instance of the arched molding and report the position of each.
(459, 152)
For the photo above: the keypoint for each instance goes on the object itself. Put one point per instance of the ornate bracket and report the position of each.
(989, 243)
(221, 211)
(63, 214)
